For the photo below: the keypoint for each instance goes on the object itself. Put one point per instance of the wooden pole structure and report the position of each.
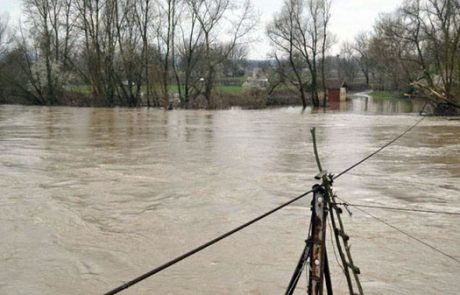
(339, 233)
(314, 254)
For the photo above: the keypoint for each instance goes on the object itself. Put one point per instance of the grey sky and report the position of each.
(349, 17)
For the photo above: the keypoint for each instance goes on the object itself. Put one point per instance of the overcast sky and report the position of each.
(349, 17)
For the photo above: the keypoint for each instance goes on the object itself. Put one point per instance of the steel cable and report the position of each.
(400, 209)
(406, 234)
(379, 150)
(202, 247)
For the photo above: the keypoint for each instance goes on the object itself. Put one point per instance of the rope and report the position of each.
(202, 247)
(379, 150)
(407, 234)
(400, 209)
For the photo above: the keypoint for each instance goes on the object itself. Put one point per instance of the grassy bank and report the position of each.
(224, 96)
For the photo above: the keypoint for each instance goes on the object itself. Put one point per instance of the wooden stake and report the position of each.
(317, 257)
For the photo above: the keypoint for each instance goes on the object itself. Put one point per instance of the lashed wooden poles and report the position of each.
(339, 233)
(314, 254)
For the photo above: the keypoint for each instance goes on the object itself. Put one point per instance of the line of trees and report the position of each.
(123, 52)
(415, 49)
(141, 52)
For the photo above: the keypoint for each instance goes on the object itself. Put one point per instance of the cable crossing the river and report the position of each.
(412, 210)
(241, 227)
(402, 231)
(378, 150)
(202, 247)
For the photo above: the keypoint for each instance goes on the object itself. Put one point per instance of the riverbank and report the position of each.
(223, 98)
(358, 101)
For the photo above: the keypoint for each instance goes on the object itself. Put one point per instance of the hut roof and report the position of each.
(335, 83)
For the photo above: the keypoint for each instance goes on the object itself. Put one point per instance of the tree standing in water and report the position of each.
(299, 34)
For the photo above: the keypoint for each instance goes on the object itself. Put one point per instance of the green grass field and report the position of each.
(85, 89)
(230, 89)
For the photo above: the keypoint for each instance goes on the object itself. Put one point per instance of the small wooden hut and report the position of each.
(336, 90)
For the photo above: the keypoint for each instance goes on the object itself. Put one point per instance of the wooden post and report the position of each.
(317, 257)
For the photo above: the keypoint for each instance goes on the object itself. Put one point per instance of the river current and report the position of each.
(92, 197)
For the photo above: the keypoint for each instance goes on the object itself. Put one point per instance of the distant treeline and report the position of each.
(123, 52)
(192, 53)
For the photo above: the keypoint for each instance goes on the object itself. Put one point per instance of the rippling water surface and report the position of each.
(90, 198)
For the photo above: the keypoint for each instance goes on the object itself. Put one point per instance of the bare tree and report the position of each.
(168, 12)
(42, 14)
(423, 40)
(5, 36)
(326, 41)
(442, 30)
(212, 14)
(361, 46)
(299, 32)
(348, 65)
(189, 53)
(143, 13)
(97, 23)
(129, 72)
(283, 34)
(121, 48)
(46, 36)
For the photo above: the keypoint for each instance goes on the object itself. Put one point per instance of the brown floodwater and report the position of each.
(92, 197)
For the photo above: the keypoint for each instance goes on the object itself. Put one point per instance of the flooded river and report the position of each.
(90, 198)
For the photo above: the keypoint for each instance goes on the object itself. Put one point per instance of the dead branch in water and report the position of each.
(437, 97)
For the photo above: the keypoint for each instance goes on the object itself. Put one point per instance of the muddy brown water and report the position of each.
(90, 198)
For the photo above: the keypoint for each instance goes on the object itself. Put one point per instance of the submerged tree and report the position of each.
(299, 34)
(239, 20)
(189, 52)
(128, 52)
(46, 45)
